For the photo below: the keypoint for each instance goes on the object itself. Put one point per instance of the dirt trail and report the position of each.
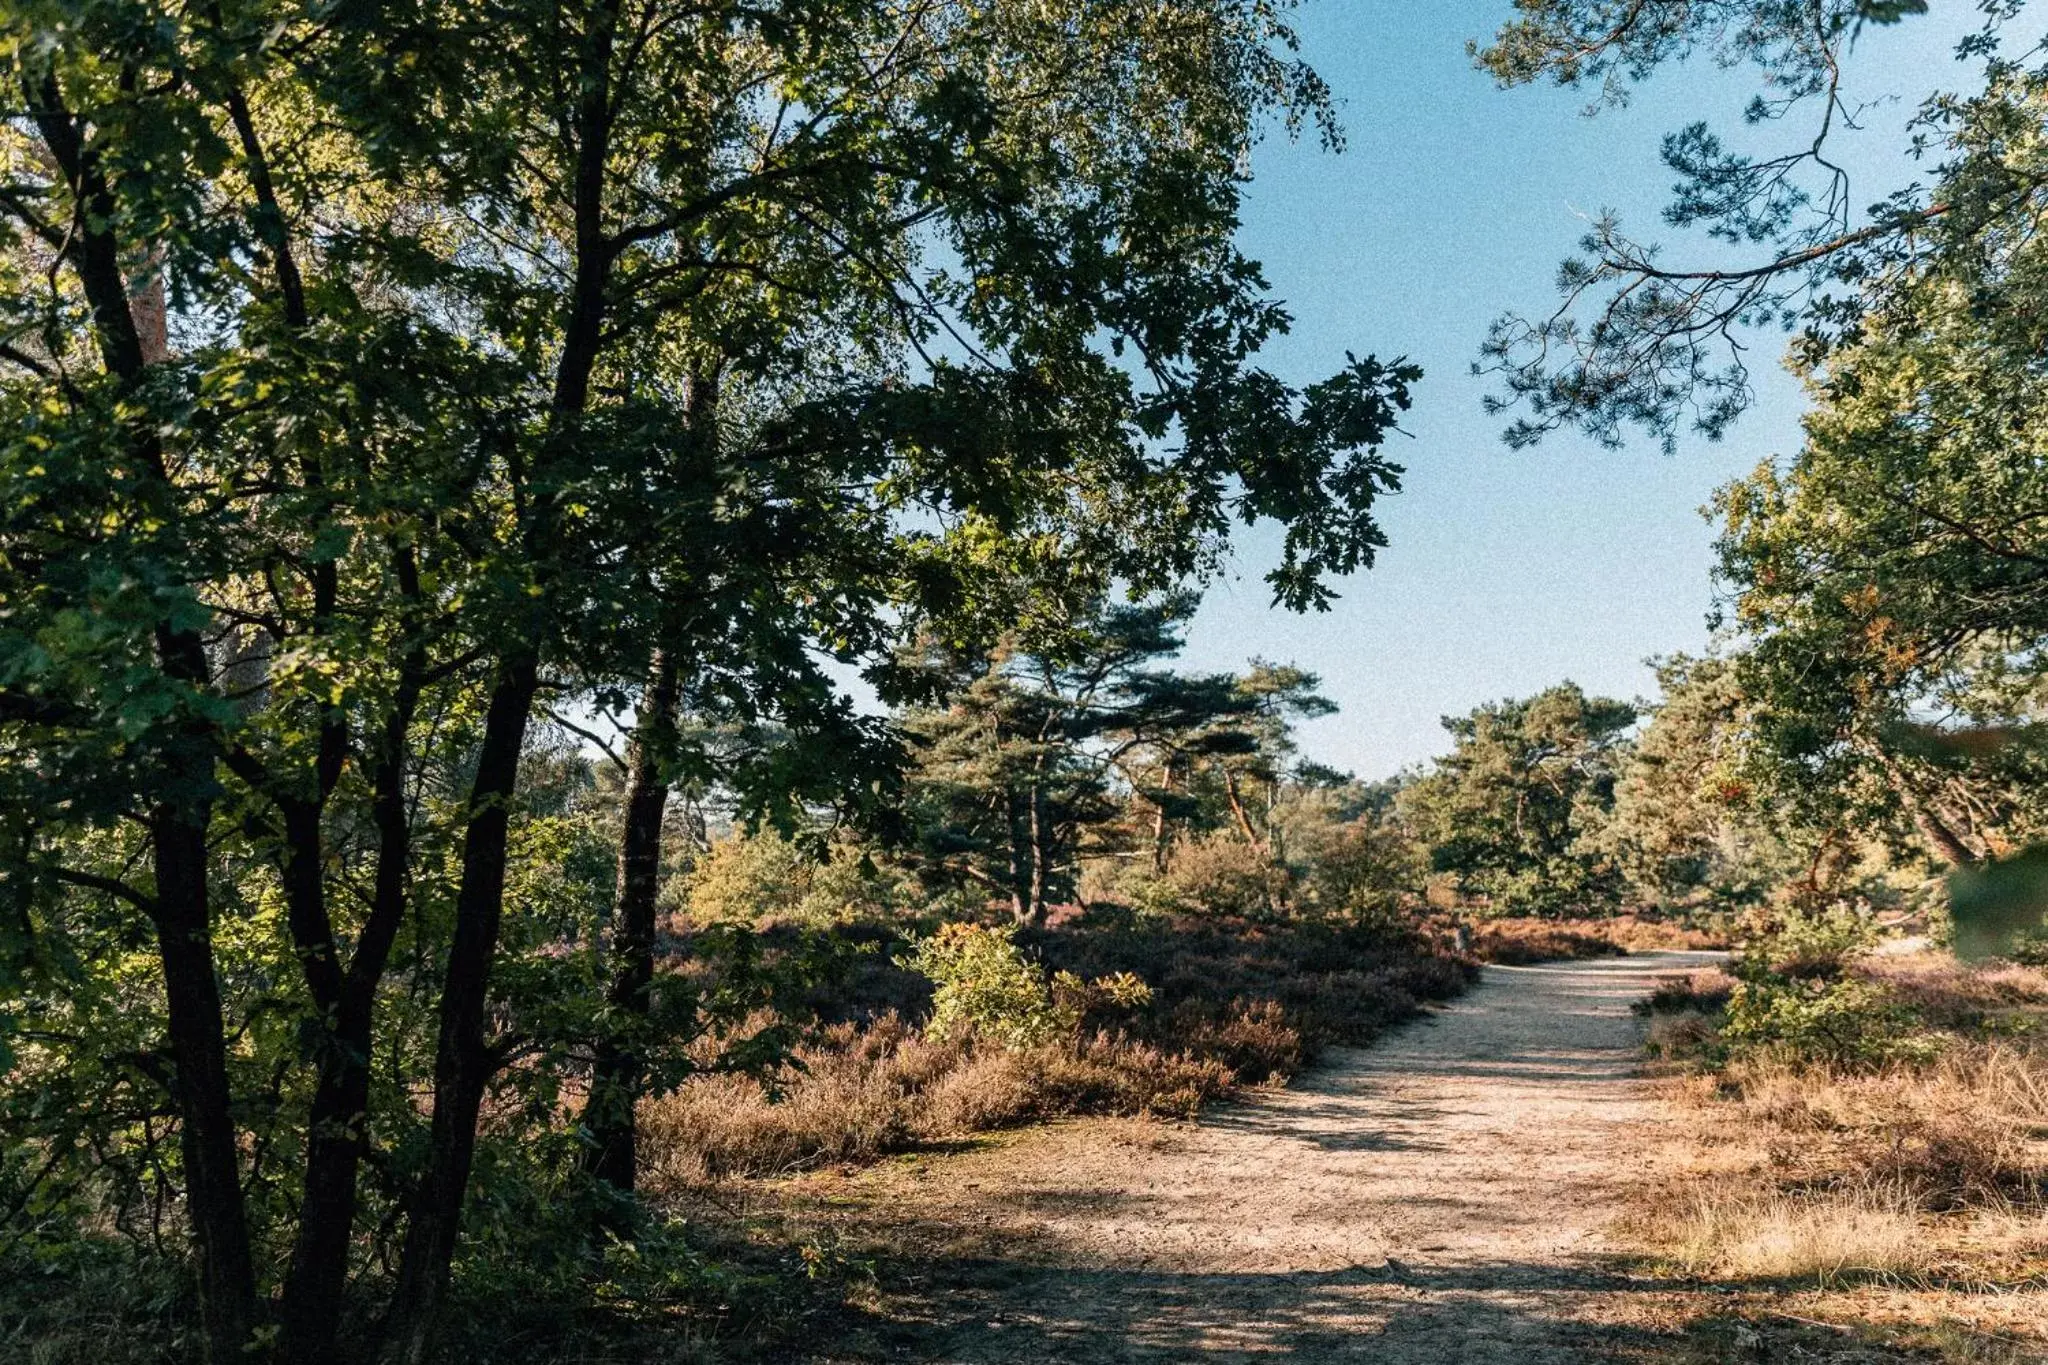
(1440, 1197)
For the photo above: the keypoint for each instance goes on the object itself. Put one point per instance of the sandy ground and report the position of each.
(1441, 1197)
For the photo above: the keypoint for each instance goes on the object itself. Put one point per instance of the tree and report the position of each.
(417, 445)
(1885, 569)
(1514, 808)
(1017, 770)
(1689, 816)
(1889, 572)
(1639, 340)
(1276, 697)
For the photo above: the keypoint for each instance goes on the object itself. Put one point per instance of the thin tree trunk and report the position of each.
(316, 1285)
(462, 1063)
(177, 828)
(213, 1181)
(618, 1071)
(1244, 819)
(1020, 859)
(1159, 821)
(620, 1064)
(1041, 857)
(462, 1059)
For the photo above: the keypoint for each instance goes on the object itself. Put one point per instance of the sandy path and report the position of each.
(1437, 1198)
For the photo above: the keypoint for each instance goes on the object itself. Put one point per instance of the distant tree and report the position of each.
(1277, 697)
(1689, 818)
(1348, 852)
(1017, 772)
(1516, 806)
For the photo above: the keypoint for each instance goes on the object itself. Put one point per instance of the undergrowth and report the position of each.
(1863, 1119)
(1110, 1013)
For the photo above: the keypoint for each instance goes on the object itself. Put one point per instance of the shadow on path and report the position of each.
(1436, 1199)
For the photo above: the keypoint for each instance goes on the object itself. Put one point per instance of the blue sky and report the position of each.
(1508, 571)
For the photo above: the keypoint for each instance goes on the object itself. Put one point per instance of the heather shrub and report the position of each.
(1705, 992)
(1518, 940)
(2030, 949)
(1113, 1013)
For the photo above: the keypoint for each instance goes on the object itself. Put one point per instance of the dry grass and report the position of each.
(1964, 1131)
(1951, 995)
(1774, 1235)
(1910, 1201)
(1233, 1003)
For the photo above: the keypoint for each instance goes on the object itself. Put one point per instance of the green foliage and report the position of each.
(2030, 949)
(1838, 1023)
(1688, 825)
(375, 380)
(755, 875)
(1647, 339)
(988, 988)
(1516, 807)
(1812, 944)
(1350, 857)
(1795, 999)
(2002, 908)
(1218, 873)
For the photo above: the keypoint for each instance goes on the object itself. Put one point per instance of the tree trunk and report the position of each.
(1244, 819)
(1020, 859)
(1041, 857)
(213, 1181)
(1159, 822)
(615, 1079)
(177, 829)
(1942, 841)
(462, 1059)
(317, 1283)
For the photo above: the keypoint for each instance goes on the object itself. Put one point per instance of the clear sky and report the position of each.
(1508, 571)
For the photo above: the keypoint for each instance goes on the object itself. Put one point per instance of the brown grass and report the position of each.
(1924, 1182)
(1967, 1130)
(1234, 1003)
(1955, 996)
(1773, 1235)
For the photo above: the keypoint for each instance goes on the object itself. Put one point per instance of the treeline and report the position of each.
(1083, 771)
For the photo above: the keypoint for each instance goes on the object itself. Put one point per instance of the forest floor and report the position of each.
(1454, 1194)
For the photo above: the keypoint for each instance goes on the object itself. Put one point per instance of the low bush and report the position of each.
(1813, 944)
(1704, 992)
(1219, 874)
(1851, 1023)
(985, 987)
(1111, 1013)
